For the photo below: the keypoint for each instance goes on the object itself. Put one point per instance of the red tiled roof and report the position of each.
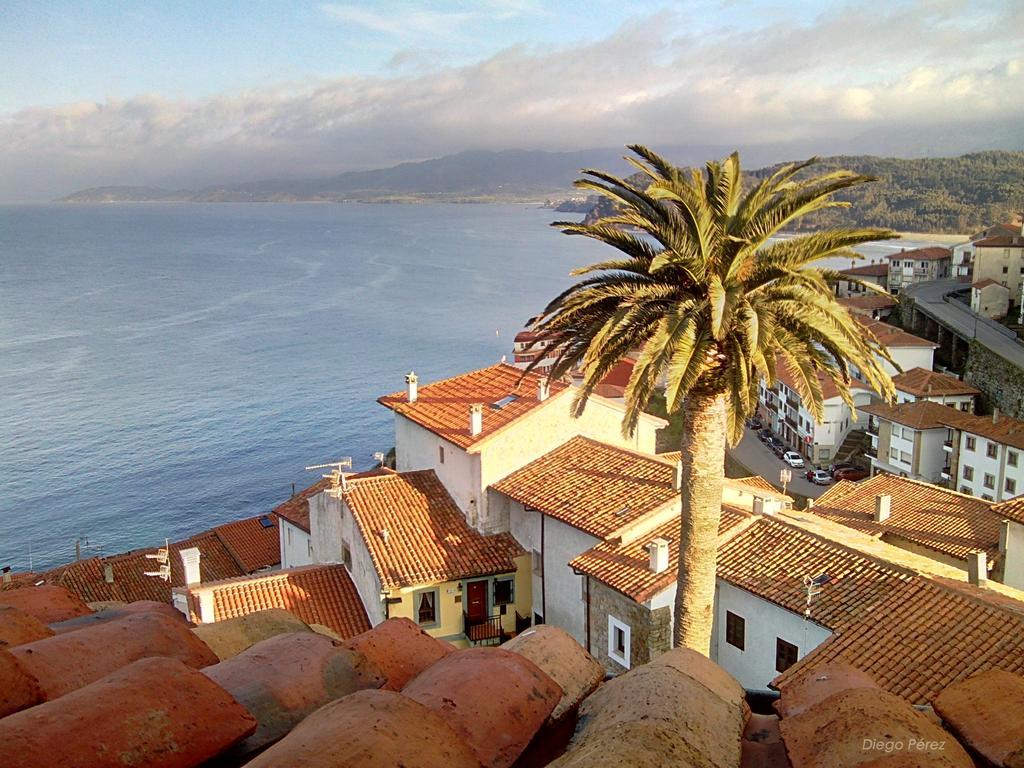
(592, 486)
(317, 594)
(1010, 510)
(625, 567)
(1003, 241)
(296, 509)
(933, 253)
(524, 337)
(926, 635)
(417, 535)
(890, 335)
(254, 542)
(920, 414)
(868, 270)
(1000, 429)
(935, 518)
(921, 381)
(443, 406)
(869, 302)
(986, 283)
(771, 559)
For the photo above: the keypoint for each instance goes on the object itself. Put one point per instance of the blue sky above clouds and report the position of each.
(189, 93)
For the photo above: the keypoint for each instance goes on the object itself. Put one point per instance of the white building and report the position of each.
(907, 351)
(477, 428)
(918, 266)
(1011, 541)
(990, 299)
(876, 274)
(908, 439)
(986, 456)
(296, 542)
(922, 384)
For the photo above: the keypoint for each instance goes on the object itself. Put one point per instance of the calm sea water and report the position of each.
(165, 368)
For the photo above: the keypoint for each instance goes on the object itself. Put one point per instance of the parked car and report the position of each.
(839, 467)
(775, 444)
(819, 477)
(852, 474)
(755, 423)
(764, 435)
(793, 458)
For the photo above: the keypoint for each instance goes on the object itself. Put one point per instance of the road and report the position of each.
(959, 318)
(753, 455)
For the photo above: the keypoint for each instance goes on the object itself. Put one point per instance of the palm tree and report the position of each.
(712, 303)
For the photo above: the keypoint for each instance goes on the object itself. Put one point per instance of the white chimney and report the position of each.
(995, 415)
(677, 476)
(757, 506)
(108, 573)
(543, 389)
(883, 507)
(411, 381)
(476, 419)
(190, 558)
(977, 568)
(659, 555)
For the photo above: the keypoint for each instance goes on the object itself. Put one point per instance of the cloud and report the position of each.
(839, 75)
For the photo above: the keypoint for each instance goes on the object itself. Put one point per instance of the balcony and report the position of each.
(490, 630)
(945, 474)
(872, 451)
(791, 423)
(948, 446)
(872, 428)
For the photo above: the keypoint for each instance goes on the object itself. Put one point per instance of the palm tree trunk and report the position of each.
(703, 469)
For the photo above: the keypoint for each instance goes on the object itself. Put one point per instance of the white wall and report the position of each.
(754, 667)
(955, 401)
(998, 467)
(909, 357)
(1012, 545)
(419, 448)
(295, 544)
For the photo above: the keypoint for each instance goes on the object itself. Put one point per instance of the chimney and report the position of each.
(108, 573)
(7, 574)
(977, 568)
(476, 419)
(411, 381)
(659, 555)
(995, 415)
(810, 504)
(883, 507)
(757, 506)
(677, 476)
(190, 558)
(543, 389)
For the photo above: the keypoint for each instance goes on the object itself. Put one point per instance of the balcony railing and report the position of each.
(485, 631)
(872, 452)
(946, 473)
(872, 428)
(948, 445)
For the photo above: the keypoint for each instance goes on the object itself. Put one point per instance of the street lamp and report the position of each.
(785, 475)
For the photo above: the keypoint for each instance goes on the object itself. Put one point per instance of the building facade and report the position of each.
(919, 265)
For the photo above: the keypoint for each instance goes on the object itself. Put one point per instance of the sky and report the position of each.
(185, 94)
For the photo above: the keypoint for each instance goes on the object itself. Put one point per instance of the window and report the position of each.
(968, 472)
(346, 555)
(989, 481)
(289, 535)
(905, 457)
(1011, 458)
(538, 563)
(894, 454)
(618, 641)
(1011, 485)
(1006, 270)
(440, 454)
(990, 450)
(504, 591)
(425, 603)
(964, 489)
(785, 655)
(735, 630)
(986, 497)
(971, 442)
(965, 406)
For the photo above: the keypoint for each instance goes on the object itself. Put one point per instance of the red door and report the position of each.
(476, 600)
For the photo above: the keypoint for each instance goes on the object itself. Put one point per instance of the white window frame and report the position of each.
(613, 625)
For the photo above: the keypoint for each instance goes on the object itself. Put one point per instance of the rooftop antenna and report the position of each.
(813, 585)
(379, 457)
(336, 476)
(162, 556)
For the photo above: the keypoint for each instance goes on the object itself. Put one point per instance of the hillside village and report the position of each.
(508, 529)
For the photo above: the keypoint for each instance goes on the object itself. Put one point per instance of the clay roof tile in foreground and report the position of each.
(443, 406)
(317, 594)
(927, 515)
(296, 509)
(592, 486)
(925, 383)
(417, 535)
(925, 635)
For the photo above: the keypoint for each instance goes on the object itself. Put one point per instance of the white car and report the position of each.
(819, 477)
(793, 458)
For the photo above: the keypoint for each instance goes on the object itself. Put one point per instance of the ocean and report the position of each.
(166, 368)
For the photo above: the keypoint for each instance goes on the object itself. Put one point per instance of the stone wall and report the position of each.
(650, 630)
(1001, 383)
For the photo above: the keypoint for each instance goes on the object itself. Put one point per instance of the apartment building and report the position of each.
(919, 265)
(923, 384)
(876, 274)
(986, 455)
(907, 439)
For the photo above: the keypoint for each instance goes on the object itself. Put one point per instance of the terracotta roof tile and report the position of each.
(920, 414)
(592, 486)
(443, 406)
(625, 567)
(1001, 428)
(870, 301)
(933, 253)
(922, 382)
(890, 335)
(317, 594)
(1002, 241)
(417, 535)
(868, 270)
(986, 283)
(296, 509)
(927, 515)
(254, 542)
(926, 635)
(1010, 510)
